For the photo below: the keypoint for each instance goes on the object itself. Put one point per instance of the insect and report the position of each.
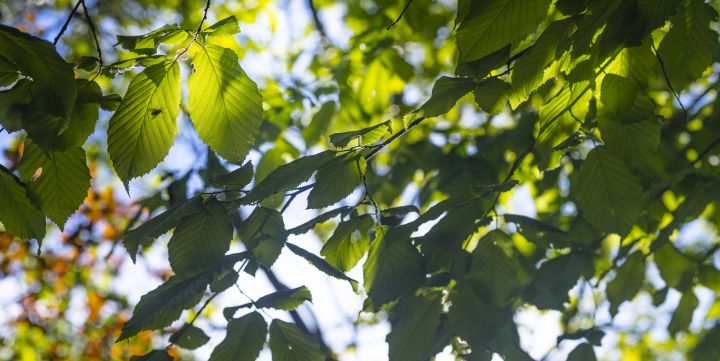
(155, 112)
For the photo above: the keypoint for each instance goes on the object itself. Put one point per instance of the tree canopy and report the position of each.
(460, 162)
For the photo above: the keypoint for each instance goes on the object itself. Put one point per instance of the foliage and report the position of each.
(600, 110)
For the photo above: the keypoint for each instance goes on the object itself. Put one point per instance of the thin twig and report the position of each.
(226, 191)
(194, 39)
(401, 15)
(92, 28)
(393, 138)
(295, 194)
(67, 22)
(185, 327)
(367, 193)
(667, 80)
(515, 166)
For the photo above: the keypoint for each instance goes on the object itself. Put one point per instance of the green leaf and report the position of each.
(688, 47)
(419, 319)
(571, 7)
(236, 179)
(110, 102)
(286, 300)
(444, 241)
(143, 128)
(17, 214)
(635, 143)
(9, 72)
(534, 68)
(222, 283)
(676, 269)
(189, 337)
(399, 211)
(682, 316)
(597, 14)
(491, 95)
(200, 240)
(626, 75)
(709, 276)
(225, 105)
(322, 265)
(160, 224)
(53, 77)
(13, 103)
(635, 21)
(288, 343)
(319, 124)
(445, 93)
(494, 268)
(322, 218)
(559, 119)
(148, 44)
(583, 352)
(471, 318)
(707, 349)
(540, 233)
(692, 207)
(53, 133)
(366, 136)
(492, 25)
(163, 305)
(608, 194)
(627, 282)
(479, 69)
(264, 234)
(244, 340)
(336, 179)
(87, 63)
(391, 270)
(223, 28)
(63, 184)
(348, 243)
(288, 176)
(554, 279)
(154, 355)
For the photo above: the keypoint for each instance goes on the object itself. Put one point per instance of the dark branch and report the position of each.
(316, 18)
(92, 28)
(179, 333)
(706, 151)
(401, 15)
(207, 7)
(67, 22)
(393, 138)
(667, 80)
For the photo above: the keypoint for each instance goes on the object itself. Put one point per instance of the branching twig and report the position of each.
(295, 194)
(401, 15)
(67, 22)
(194, 39)
(667, 80)
(92, 28)
(515, 166)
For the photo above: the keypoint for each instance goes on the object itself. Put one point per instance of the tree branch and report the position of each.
(706, 151)
(92, 28)
(401, 15)
(316, 19)
(67, 22)
(667, 80)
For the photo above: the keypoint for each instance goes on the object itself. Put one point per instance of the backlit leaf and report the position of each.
(143, 128)
(244, 340)
(288, 343)
(225, 105)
